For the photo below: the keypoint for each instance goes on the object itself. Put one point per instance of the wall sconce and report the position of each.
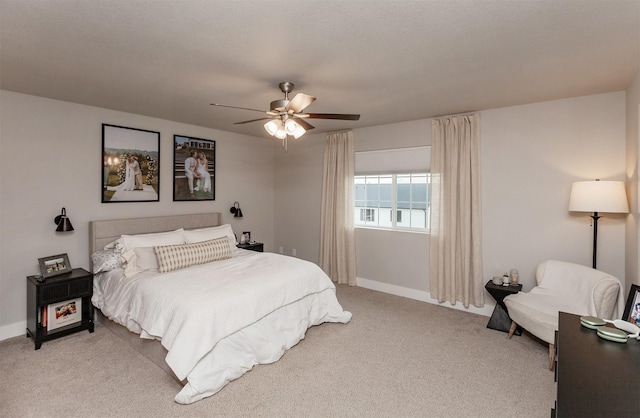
(64, 224)
(235, 209)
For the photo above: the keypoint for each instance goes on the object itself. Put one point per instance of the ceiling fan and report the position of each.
(286, 117)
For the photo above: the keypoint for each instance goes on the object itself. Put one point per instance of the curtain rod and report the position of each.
(339, 132)
(469, 113)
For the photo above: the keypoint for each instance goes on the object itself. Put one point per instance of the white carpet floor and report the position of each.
(397, 358)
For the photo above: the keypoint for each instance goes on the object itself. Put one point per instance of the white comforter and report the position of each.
(245, 310)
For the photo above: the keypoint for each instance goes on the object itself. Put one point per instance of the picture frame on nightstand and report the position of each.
(245, 238)
(64, 313)
(632, 308)
(54, 265)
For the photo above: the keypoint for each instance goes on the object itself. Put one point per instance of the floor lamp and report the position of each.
(597, 197)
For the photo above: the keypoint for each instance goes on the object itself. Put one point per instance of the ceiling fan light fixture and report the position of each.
(294, 129)
(272, 127)
(280, 133)
(278, 129)
(299, 132)
(290, 126)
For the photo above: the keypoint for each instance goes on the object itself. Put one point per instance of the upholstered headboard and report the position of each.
(102, 233)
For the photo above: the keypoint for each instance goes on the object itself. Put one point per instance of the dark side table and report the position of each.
(254, 246)
(500, 318)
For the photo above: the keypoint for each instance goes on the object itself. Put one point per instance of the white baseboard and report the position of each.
(420, 295)
(13, 330)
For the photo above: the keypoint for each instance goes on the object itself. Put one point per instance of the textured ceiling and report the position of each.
(390, 61)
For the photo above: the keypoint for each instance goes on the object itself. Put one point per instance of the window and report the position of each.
(367, 215)
(406, 195)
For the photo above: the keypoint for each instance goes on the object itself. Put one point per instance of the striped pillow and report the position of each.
(175, 257)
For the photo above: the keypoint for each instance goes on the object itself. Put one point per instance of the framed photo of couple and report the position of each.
(130, 165)
(194, 165)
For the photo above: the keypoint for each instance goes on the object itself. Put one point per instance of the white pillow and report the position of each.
(146, 258)
(152, 240)
(138, 260)
(207, 234)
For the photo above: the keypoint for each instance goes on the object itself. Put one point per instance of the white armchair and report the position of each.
(564, 287)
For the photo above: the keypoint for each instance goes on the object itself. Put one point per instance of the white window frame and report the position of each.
(394, 205)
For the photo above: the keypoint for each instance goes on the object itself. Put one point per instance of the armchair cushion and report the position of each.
(565, 287)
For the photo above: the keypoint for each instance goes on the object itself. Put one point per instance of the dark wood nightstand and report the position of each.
(500, 318)
(61, 302)
(256, 246)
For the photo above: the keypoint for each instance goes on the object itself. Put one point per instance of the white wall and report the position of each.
(632, 247)
(50, 157)
(531, 155)
(298, 177)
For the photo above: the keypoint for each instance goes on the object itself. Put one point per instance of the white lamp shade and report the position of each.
(290, 126)
(598, 196)
(277, 128)
(280, 133)
(272, 127)
(293, 128)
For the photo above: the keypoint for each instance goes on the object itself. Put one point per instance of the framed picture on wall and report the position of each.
(130, 165)
(194, 167)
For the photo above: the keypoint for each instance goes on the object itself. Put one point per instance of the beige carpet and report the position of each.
(396, 358)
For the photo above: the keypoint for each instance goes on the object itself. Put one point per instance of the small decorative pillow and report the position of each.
(175, 257)
(106, 260)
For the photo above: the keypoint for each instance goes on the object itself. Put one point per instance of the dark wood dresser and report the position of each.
(596, 377)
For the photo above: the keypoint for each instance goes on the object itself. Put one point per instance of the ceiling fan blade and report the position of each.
(299, 102)
(341, 116)
(249, 121)
(306, 125)
(241, 108)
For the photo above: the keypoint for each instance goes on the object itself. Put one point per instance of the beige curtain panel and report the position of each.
(456, 221)
(337, 243)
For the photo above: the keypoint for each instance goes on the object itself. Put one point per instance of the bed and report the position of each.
(215, 309)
